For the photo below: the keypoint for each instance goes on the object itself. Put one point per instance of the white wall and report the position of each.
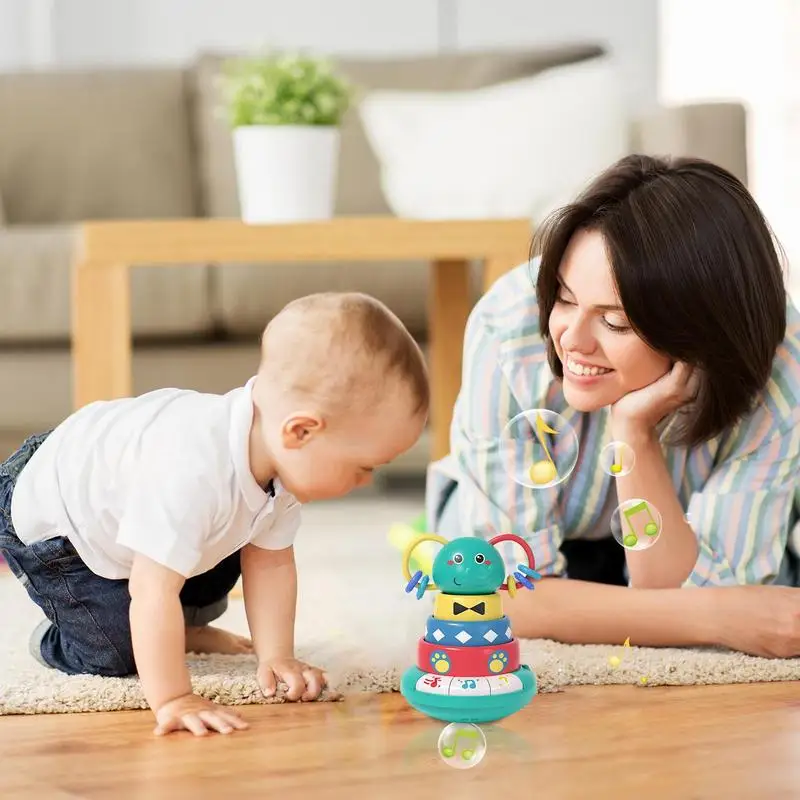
(750, 52)
(105, 32)
(15, 47)
(629, 28)
(123, 32)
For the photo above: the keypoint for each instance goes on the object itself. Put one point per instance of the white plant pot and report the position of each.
(286, 173)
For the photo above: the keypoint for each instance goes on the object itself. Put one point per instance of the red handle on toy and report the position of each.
(512, 537)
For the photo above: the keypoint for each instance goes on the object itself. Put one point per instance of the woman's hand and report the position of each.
(644, 408)
(759, 620)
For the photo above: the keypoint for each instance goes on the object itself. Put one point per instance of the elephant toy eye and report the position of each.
(458, 558)
(480, 558)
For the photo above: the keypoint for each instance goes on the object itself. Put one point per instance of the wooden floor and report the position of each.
(587, 742)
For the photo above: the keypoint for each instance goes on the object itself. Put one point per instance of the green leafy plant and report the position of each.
(287, 89)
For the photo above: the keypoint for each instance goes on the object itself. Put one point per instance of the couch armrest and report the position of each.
(714, 131)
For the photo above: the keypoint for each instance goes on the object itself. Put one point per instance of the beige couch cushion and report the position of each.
(248, 296)
(35, 269)
(93, 145)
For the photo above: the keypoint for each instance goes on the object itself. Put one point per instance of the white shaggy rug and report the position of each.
(354, 620)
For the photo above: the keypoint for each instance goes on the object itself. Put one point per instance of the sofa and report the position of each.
(150, 143)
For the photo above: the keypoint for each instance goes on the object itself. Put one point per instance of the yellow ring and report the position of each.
(444, 607)
(411, 546)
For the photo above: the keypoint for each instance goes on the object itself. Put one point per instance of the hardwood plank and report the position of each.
(182, 241)
(619, 742)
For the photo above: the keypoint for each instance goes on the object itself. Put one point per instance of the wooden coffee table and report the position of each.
(101, 313)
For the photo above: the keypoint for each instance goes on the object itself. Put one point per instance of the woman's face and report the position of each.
(602, 357)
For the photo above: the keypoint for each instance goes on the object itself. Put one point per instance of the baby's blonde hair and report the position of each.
(332, 346)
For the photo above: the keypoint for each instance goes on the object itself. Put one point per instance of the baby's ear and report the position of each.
(299, 428)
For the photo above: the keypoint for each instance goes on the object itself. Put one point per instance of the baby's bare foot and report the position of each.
(207, 639)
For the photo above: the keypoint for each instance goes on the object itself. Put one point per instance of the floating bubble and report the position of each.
(636, 524)
(462, 745)
(539, 448)
(617, 459)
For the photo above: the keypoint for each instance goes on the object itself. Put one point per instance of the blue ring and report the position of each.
(468, 634)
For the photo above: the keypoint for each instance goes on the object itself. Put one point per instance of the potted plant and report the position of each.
(285, 111)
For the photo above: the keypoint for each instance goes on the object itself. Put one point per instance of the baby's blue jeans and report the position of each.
(87, 626)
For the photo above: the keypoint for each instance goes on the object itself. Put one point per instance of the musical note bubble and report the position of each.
(617, 459)
(636, 524)
(539, 448)
(615, 661)
(462, 745)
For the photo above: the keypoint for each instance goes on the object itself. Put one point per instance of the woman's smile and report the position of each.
(583, 371)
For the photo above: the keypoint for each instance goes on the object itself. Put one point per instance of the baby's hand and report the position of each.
(198, 715)
(304, 682)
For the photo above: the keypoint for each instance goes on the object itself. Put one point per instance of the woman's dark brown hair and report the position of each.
(697, 270)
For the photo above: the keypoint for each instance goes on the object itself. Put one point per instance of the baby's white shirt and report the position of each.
(166, 474)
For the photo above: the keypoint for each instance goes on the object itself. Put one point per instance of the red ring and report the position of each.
(512, 537)
(467, 662)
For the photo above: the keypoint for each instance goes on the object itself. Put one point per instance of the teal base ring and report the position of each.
(474, 700)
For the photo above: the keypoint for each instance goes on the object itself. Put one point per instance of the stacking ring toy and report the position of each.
(463, 662)
(468, 607)
(468, 663)
(467, 634)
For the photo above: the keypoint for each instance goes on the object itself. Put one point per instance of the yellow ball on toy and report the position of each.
(543, 472)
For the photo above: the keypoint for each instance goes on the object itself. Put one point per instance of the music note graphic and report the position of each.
(469, 683)
(615, 661)
(616, 467)
(543, 471)
(503, 679)
(617, 459)
(651, 528)
(449, 749)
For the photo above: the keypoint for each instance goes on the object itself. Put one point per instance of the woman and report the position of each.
(655, 315)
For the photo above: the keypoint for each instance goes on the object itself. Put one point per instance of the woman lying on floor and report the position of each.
(653, 313)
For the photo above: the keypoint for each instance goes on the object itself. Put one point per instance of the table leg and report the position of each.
(101, 333)
(450, 306)
(496, 267)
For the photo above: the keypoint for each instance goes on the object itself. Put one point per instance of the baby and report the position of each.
(132, 520)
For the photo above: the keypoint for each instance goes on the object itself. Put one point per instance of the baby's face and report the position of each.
(342, 456)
